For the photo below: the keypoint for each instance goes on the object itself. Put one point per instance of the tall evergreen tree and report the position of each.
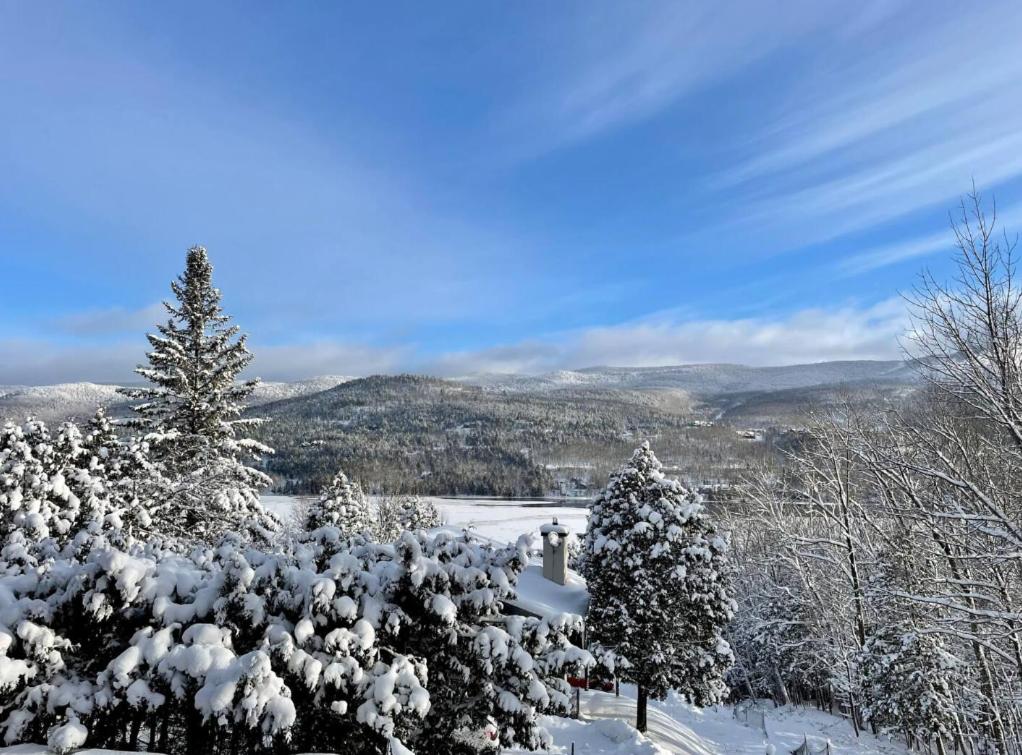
(659, 586)
(191, 411)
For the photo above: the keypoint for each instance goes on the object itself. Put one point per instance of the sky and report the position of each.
(461, 187)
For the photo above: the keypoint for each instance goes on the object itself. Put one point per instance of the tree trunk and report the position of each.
(136, 726)
(640, 711)
(164, 726)
(782, 688)
(194, 739)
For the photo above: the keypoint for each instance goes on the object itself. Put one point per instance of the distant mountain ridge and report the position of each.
(705, 379)
(56, 403)
(673, 384)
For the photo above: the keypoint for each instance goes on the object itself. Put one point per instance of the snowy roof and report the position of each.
(541, 597)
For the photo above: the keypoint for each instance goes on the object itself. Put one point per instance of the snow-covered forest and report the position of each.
(878, 569)
(149, 601)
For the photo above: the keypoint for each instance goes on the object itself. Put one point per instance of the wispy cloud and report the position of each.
(808, 335)
(1007, 222)
(113, 320)
(891, 254)
(622, 63)
(877, 136)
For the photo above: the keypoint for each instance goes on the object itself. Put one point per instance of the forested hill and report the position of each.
(426, 435)
(420, 434)
(520, 435)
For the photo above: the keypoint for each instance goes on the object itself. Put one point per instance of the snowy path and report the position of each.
(663, 729)
(684, 730)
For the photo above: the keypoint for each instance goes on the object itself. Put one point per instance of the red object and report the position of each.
(580, 683)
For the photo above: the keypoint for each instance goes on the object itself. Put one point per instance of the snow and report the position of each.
(545, 598)
(595, 738)
(504, 520)
(686, 730)
(500, 520)
(283, 507)
(68, 737)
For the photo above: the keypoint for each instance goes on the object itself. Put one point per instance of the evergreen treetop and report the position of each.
(194, 400)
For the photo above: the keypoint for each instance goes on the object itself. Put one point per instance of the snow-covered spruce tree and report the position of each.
(343, 505)
(659, 585)
(397, 514)
(909, 680)
(190, 414)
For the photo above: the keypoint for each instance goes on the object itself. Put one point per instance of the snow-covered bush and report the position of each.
(485, 669)
(909, 680)
(35, 497)
(329, 643)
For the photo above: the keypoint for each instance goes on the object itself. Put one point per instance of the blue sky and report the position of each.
(467, 186)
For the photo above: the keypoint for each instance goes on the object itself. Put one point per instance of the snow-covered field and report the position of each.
(676, 727)
(504, 520)
(679, 729)
(497, 519)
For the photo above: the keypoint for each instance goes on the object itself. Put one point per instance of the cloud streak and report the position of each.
(808, 335)
(626, 63)
(1004, 221)
(114, 320)
(873, 138)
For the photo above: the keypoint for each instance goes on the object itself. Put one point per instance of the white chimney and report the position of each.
(555, 552)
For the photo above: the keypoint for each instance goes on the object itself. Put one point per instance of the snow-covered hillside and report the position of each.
(671, 384)
(278, 391)
(55, 403)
